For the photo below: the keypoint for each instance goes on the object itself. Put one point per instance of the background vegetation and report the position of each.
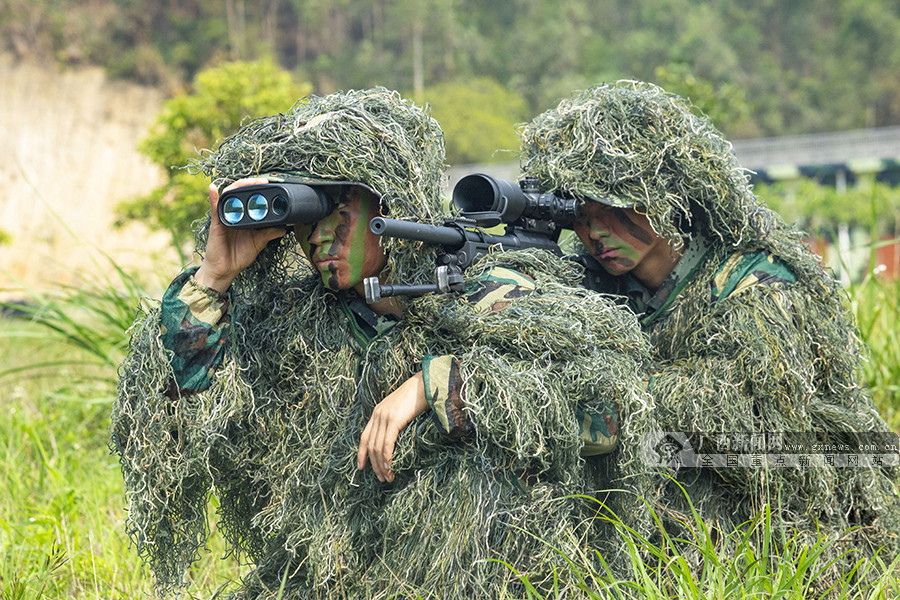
(220, 99)
(758, 67)
(818, 208)
(773, 67)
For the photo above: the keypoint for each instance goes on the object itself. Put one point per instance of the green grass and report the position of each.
(751, 567)
(61, 496)
(876, 306)
(62, 503)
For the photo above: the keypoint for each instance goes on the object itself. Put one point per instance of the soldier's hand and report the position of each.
(390, 416)
(229, 251)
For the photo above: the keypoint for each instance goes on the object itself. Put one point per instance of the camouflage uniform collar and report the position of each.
(654, 305)
(366, 324)
(694, 253)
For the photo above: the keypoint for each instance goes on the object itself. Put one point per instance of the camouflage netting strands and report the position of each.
(369, 136)
(632, 143)
(275, 438)
(774, 359)
(768, 356)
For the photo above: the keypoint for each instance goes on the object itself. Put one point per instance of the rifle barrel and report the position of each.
(420, 232)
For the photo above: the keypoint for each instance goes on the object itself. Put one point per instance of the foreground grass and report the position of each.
(751, 567)
(62, 503)
(61, 498)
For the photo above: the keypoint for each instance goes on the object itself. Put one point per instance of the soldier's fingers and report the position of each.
(387, 451)
(376, 443)
(363, 452)
(244, 182)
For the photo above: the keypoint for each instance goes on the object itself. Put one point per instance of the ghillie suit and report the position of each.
(749, 333)
(261, 395)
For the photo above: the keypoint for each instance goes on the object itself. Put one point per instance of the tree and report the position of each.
(223, 98)
(478, 118)
(725, 104)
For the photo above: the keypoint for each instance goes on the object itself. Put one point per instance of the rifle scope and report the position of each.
(483, 198)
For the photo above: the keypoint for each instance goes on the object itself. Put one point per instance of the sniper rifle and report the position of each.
(532, 219)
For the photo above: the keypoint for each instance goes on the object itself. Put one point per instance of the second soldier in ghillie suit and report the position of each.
(261, 383)
(749, 333)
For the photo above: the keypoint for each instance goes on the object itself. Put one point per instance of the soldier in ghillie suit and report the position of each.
(264, 378)
(748, 332)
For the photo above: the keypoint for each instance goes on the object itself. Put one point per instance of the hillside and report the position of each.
(68, 149)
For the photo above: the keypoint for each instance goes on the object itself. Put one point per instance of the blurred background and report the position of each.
(104, 102)
(85, 81)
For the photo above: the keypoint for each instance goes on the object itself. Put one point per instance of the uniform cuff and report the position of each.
(205, 304)
(443, 388)
(599, 430)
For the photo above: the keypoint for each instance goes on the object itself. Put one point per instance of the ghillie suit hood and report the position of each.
(735, 352)
(633, 144)
(275, 435)
(374, 137)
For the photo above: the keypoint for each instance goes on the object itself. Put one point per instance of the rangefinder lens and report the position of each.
(257, 207)
(279, 205)
(233, 210)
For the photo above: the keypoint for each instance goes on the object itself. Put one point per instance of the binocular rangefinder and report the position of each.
(281, 203)
(274, 205)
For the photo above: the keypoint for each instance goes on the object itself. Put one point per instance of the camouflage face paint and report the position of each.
(622, 240)
(631, 227)
(624, 250)
(340, 246)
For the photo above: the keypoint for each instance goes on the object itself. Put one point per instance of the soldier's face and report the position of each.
(340, 246)
(621, 239)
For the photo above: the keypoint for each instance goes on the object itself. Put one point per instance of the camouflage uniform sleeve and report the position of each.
(743, 271)
(444, 387)
(195, 328)
(599, 429)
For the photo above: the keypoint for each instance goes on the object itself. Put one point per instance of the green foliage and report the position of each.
(478, 118)
(819, 208)
(89, 320)
(738, 564)
(725, 104)
(816, 65)
(5, 237)
(876, 306)
(61, 496)
(222, 99)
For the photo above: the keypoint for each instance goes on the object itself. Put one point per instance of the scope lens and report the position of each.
(257, 207)
(233, 211)
(279, 205)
